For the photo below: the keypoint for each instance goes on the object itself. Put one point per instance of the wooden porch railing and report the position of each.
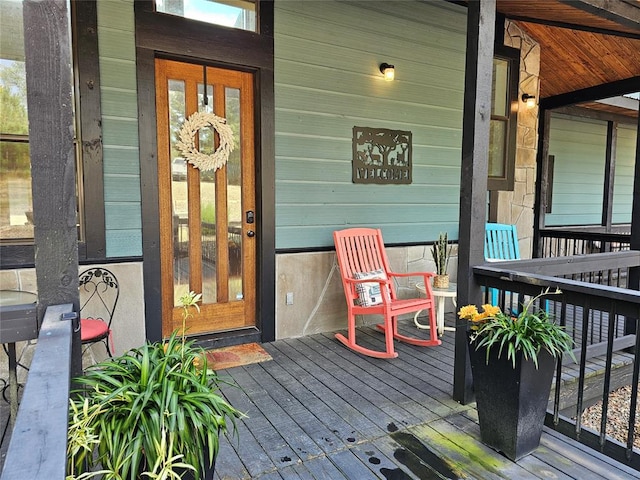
(38, 447)
(603, 320)
(562, 242)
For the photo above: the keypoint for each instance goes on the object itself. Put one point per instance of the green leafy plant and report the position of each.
(441, 252)
(154, 412)
(528, 332)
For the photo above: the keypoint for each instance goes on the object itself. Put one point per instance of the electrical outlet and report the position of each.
(289, 298)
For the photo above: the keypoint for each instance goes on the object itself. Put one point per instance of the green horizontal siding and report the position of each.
(120, 128)
(121, 159)
(124, 216)
(579, 147)
(119, 131)
(116, 13)
(124, 243)
(119, 103)
(122, 188)
(327, 81)
(114, 45)
(623, 186)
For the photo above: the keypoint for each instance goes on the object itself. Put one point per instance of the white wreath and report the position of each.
(187, 144)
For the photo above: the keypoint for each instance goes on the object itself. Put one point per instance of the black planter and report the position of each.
(511, 403)
(207, 474)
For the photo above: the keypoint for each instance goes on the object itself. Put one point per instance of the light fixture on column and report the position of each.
(388, 71)
(529, 100)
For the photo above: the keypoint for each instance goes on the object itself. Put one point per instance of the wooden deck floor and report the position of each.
(321, 411)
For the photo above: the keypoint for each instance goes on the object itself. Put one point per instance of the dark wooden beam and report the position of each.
(609, 175)
(634, 273)
(635, 212)
(542, 179)
(620, 87)
(266, 179)
(85, 21)
(578, 111)
(481, 17)
(614, 10)
(145, 65)
(51, 145)
(573, 26)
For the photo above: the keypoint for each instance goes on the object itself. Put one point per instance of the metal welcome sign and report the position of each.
(381, 156)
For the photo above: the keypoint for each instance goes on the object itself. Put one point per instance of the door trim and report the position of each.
(154, 39)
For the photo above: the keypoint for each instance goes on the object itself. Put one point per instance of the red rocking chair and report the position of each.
(369, 289)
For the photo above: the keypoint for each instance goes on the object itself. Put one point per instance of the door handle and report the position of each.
(251, 234)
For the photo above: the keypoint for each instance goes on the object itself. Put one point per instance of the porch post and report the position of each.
(542, 179)
(634, 273)
(481, 17)
(51, 145)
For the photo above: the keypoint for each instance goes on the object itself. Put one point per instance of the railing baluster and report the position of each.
(607, 377)
(634, 396)
(609, 316)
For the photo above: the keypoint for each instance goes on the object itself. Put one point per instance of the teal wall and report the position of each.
(579, 147)
(120, 128)
(327, 80)
(623, 186)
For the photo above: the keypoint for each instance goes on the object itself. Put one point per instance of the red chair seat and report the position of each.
(92, 329)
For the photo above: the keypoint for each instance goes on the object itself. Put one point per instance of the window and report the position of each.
(16, 206)
(503, 127)
(239, 14)
(16, 211)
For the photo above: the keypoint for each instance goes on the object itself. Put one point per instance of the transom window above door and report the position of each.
(239, 14)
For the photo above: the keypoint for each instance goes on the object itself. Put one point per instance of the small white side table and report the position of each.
(440, 296)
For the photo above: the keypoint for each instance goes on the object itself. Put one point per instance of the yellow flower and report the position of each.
(491, 310)
(468, 312)
(197, 362)
(479, 317)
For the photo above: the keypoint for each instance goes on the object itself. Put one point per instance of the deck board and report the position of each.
(341, 415)
(318, 410)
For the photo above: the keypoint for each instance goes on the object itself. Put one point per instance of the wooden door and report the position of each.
(207, 218)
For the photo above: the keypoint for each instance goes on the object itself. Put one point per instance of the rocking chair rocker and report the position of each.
(369, 289)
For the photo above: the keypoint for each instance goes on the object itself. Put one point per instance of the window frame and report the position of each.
(512, 57)
(89, 159)
(256, 12)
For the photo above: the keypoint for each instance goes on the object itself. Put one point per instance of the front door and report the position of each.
(207, 217)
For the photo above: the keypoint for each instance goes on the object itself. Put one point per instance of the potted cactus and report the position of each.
(441, 252)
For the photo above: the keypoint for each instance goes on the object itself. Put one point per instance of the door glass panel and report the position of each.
(234, 197)
(179, 204)
(207, 203)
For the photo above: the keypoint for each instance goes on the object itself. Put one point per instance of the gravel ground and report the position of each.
(617, 416)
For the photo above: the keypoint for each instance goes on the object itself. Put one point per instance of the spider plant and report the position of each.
(528, 332)
(154, 412)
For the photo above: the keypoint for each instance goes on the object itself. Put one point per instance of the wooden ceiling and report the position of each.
(583, 43)
(572, 59)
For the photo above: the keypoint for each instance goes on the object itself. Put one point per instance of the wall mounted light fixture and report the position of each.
(530, 100)
(388, 71)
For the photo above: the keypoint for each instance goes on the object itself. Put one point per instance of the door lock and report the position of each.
(250, 216)
(251, 234)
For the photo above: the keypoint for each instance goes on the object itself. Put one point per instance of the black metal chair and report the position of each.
(99, 292)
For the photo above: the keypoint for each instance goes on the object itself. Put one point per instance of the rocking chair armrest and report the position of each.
(426, 275)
